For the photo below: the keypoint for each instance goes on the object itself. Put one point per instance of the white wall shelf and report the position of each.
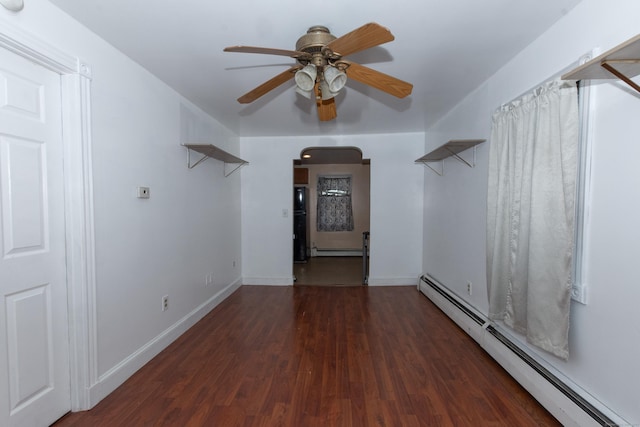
(622, 62)
(452, 148)
(211, 151)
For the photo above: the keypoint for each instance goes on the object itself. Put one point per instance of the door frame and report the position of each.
(75, 80)
(300, 161)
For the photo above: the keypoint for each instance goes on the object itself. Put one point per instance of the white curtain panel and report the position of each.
(530, 214)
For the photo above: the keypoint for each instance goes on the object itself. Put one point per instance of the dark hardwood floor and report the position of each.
(320, 356)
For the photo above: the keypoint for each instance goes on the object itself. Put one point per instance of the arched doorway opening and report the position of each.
(331, 216)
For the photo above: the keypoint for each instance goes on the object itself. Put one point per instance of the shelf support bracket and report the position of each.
(450, 149)
(238, 166)
(191, 166)
(460, 159)
(439, 172)
(607, 66)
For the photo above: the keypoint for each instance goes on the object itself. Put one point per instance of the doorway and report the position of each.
(73, 78)
(331, 256)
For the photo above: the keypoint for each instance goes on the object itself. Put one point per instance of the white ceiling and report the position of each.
(445, 48)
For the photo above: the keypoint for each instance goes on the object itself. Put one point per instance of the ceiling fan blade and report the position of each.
(326, 108)
(268, 85)
(267, 51)
(369, 35)
(381, 81)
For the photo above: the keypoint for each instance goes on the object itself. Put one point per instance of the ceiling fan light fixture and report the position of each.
(306, 77)
(325, 91)
(13, 5)
(335, 78)
(306, 93)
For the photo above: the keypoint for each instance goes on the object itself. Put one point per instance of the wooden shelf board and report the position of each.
(211, 150)
(625, 58)
(449, 149)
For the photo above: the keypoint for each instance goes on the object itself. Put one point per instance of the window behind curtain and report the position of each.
(334, 204)
(530, 213)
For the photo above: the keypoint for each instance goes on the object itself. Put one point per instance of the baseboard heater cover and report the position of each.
(335, 252)
(596, 414)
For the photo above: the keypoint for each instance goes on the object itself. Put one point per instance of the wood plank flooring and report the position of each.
(320, 356)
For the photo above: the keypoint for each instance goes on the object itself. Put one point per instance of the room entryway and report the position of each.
(329, 271)
(331, 211)
(34, 343)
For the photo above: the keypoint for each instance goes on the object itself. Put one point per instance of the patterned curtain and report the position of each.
(334, 203)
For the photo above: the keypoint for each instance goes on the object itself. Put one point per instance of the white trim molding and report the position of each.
(268, 281)
(35, 49)
(81, 278)
(78, 193)
(391, 281)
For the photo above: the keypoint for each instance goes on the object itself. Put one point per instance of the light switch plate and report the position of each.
(143, 193)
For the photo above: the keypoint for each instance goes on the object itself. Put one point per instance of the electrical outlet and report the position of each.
(208, 279)
(469, 286)
(165, 303)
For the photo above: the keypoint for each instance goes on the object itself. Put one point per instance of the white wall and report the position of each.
(396, 206)
(604, 337)
(145, 249)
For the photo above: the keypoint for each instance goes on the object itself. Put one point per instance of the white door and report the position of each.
(34, 347)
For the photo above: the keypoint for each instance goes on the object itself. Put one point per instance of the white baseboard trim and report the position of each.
(392, 281)
(268, 281)
(315, 252)
(117, 375)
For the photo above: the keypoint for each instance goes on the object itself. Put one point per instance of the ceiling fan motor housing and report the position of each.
(316, 39)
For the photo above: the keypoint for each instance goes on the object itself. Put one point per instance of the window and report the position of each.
(583, 183)
(578, 289)
(530, 213)
(334, 204)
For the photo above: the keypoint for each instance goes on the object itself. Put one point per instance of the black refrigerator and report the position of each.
(300, 224)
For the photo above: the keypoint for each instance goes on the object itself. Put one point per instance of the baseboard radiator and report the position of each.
(335, 252)
(561, 400)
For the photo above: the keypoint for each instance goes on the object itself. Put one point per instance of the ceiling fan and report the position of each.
(322, 71)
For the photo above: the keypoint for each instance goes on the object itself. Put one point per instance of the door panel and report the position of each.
(24, 216)
(34, 347)
(21, 95)
(28, 339)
